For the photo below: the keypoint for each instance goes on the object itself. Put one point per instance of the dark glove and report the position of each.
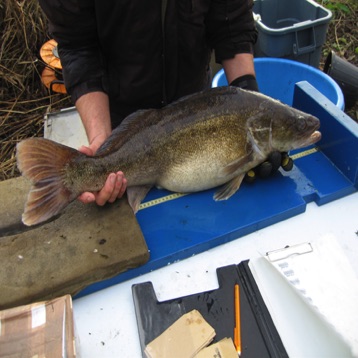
(275, 159)
(247, 82)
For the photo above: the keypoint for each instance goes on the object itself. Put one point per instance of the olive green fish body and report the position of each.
(200, 142)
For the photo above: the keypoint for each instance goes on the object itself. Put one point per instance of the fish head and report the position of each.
(279, 127)
(294, 129)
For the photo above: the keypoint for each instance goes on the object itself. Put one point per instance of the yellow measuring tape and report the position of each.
(173, 196)
(304, 153)
(161, 200)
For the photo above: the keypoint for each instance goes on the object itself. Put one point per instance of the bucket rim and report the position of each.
(284, 61)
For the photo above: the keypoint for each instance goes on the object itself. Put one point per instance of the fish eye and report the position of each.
(301, 124)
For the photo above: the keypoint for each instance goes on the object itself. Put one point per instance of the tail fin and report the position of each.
(43, 162)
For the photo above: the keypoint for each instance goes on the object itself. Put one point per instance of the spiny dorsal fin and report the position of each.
(130, 126)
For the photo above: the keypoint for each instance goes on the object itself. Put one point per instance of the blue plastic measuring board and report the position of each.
(176, 227)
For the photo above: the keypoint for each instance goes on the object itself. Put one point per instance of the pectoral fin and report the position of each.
(229, 188)
(238, 164)
(136, 194)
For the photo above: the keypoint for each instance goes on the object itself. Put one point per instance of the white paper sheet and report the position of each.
(312, 298)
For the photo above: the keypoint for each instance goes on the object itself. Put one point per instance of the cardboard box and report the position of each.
(43, 329)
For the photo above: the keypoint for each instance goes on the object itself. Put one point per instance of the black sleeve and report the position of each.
(231, 28)
(72, 23)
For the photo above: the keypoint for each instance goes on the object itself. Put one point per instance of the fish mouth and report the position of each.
(312, 139)
(316, 136)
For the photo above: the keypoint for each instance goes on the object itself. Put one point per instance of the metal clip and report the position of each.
(288, 251)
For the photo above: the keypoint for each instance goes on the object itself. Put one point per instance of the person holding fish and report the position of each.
(120, 56)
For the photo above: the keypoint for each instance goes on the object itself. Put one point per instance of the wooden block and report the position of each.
(13, 194)
(184, 338)
(223, 349)
(86, 244)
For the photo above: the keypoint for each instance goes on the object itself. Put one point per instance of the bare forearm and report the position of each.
(93, 108)
(242, 64)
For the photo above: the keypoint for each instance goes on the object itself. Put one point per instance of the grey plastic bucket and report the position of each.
(345, 74)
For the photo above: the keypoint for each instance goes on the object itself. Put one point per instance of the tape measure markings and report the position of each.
(304, 153)
(161, 200)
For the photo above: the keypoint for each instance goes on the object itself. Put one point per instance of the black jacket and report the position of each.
(118, 46)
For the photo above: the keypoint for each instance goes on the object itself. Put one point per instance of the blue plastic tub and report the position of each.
(277, 77)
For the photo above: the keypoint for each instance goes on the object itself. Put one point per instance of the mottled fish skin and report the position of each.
(199, 142)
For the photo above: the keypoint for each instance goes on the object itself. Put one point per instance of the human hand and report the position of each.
(114, 187)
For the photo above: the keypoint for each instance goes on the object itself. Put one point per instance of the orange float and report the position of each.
(50, 80)
(49, 54)
(51, 75)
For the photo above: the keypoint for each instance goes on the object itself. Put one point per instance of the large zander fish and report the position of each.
(202, 141)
